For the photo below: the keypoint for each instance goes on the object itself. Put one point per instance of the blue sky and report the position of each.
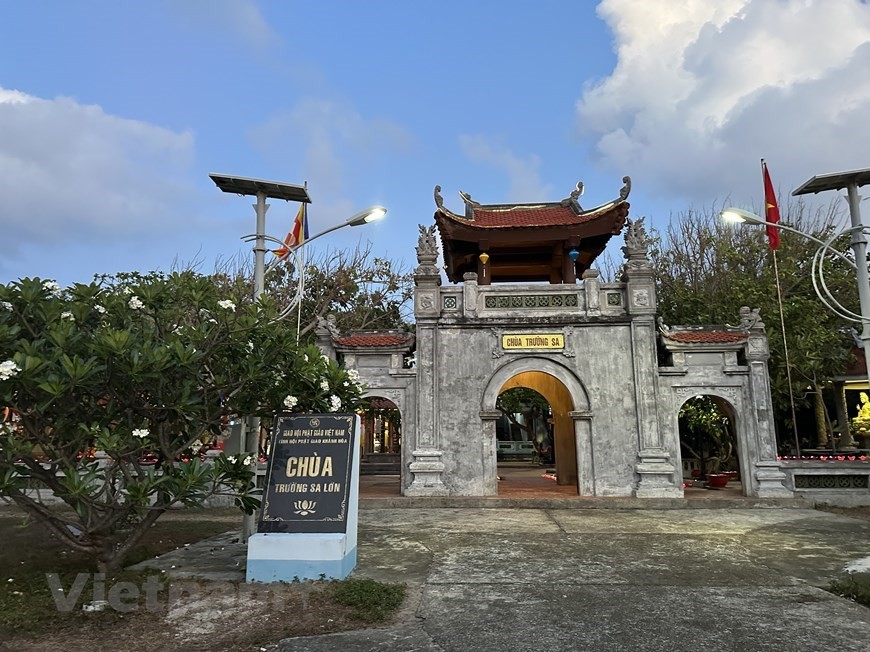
(113, 114)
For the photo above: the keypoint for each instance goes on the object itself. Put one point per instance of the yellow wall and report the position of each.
(559, 398)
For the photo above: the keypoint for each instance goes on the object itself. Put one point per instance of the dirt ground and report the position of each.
(184, 615)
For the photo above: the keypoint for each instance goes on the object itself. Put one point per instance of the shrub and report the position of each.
(140, 367)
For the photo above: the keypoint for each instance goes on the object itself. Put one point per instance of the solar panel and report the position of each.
(272, 189)
(823, 182)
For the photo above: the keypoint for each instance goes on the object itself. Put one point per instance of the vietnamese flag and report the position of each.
(771, 210)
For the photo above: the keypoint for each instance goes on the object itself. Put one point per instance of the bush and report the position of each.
(140, 369)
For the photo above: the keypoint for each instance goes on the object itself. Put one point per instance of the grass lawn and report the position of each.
(211, 616)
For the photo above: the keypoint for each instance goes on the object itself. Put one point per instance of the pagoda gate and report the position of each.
(525, 307)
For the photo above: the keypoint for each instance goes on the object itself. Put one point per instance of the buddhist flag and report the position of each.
(297, 235)
(771, 210)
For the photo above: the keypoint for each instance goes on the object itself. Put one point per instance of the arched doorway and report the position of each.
(568, 411)
(380, 446)
(709, 450)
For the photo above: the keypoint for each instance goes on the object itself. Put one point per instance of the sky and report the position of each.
(112, 115)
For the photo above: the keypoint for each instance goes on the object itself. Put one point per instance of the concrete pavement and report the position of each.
(601, 580)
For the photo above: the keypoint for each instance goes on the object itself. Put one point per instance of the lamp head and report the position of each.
(484, 258)
(740, 216)
(574, 255)
(368, 215)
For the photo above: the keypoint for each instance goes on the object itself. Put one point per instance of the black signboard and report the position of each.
(308, 481)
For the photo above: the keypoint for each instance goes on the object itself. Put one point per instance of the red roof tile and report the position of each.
(707, 337)
(374, 339)
(533, 215)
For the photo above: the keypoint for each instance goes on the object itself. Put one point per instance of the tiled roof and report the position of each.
(531, 216)
(374, 339)
(707, 337)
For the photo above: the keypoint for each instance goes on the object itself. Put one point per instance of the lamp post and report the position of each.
(262, 190)
(851, 181)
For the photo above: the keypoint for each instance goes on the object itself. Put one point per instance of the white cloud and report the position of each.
(702, 90)
(525, 184)
(332, 137)
(72, 173)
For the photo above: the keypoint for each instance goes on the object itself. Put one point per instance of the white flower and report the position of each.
(226, 304)
(195, 447)
(135, 303)
(67, 315)
(100, 309)
(291, 402)
(353, 374)
(231, 459)
(141, 433)
(8, 369)
(10, 580)
(178, 330)
(250, 346)
(127, 291)
(324, 385)
(334, 403)
(248, 461)
(305, 357)
(52, 286)
(6, 305)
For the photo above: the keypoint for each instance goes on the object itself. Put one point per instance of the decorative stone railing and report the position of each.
(834, 480)
(589, 299)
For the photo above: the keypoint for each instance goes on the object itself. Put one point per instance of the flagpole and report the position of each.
(787, 359)
(301, 290)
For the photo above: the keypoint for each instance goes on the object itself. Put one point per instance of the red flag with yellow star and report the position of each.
(771, 209)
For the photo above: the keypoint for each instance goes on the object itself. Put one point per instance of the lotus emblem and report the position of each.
(304, 507)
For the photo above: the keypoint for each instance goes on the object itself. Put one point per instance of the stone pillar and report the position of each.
(488, 451)
(585, 458)
(592, 288)
(426, 467)
(324, 336)
(768, 480)
(657, 477)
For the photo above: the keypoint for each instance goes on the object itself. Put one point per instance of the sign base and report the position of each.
(280, 557)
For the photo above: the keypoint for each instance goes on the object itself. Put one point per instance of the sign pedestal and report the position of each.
(308, 525)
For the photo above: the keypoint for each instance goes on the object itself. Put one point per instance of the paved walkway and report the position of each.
(548, 580)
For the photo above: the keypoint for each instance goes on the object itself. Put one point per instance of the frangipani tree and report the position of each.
(140, 367)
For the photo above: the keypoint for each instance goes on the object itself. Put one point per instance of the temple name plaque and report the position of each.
(309, 477)
(533, 341)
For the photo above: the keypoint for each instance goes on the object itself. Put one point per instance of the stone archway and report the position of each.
(724, 401)
(572, 418)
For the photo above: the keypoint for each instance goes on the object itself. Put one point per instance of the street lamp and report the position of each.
(262, 189)
(850, 180)
(371, 214)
